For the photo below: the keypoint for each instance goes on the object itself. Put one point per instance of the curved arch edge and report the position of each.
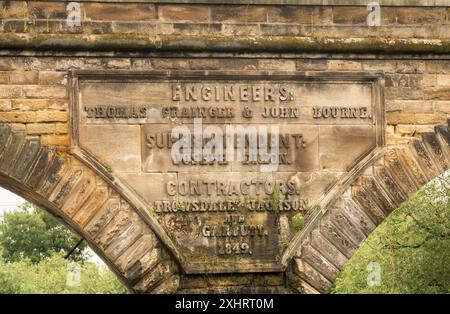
(341, 228)
(84, 201)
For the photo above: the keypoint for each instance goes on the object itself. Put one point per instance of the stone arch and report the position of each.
(335, 233)
(60, 183)
(65, 187)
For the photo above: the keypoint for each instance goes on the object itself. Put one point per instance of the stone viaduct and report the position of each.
(44, 43)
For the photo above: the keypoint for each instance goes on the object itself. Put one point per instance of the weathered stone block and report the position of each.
(43, 159)
(79, 194)
(23, 77)
(66, 186)
(123, 241)
(157, 275)
(443, 132)
(277, 65)
(411, 67)
(350, 15)
(13, 9)
(117, 225)
(40, 128)
(144, 265)
(170, 285)
(102, 217)
(379, 195)
(387, 66)
(327, 249)
(12, 150)
(346, 226)
(334, 235)
(438, 93)
(26, 158)
(41, 91)
(92, 206)
(192, 29)
(424, 159)
(55, 140)
(118, 64)
(17, 117)
(344, 65)
(311, 65)
(136, 254)
(391, 187)
(300, 15)
(403, 80)
(358, 216)
(434, 147)
(312, 257)
(47, 10)
(52, 116)
(120, 11)
(442, 106)
(413, 118)
(29, 104)
(299, 285)
(417, 15)
(240, 29)
(10, 91)
(312, 276)
(238, 13)
(5, 132)
(438, 66)
(192, 13)
(397, 169)
(4, 77)
(411, 166)
(52, 78)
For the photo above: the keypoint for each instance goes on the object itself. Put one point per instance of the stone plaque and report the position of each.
(237, 210)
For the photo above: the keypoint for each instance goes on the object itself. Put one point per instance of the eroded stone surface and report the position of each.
(225, 215)
(34, 99)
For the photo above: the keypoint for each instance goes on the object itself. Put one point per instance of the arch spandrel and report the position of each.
(117, 146)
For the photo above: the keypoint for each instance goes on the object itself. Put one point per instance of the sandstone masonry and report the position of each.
(410, 50)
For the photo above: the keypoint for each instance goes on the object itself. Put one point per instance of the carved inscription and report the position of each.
(194, 151)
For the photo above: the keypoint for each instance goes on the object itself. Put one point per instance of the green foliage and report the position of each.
(34, 234)
(412, 246)
(275, 199)
(50, 276)
(298, 222)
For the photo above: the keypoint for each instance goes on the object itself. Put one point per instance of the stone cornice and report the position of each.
(219, 43)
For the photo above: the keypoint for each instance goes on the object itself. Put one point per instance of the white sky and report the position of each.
(9, 200)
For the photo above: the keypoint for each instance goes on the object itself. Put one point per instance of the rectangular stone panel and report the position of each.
(223, 101)
(279, 142)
